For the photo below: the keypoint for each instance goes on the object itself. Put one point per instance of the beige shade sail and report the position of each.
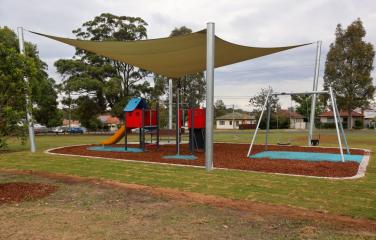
(173, 56)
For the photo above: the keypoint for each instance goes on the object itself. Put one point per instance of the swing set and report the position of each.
(313, 141)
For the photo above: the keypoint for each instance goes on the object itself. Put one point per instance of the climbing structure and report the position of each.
(137, 115)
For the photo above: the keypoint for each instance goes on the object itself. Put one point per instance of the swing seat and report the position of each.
(315, 142)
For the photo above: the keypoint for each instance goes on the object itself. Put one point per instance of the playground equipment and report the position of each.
(175, 57)
(196, 126)
(136, 115)
(337, 120)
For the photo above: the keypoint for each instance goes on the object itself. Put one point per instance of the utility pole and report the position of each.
(233, 116)
(29, 116)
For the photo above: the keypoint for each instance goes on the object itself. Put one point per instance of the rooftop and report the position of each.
(289, 113)
(342, 114)
(236, 116)
(108, 119)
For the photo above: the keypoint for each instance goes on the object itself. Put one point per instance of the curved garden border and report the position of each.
(360, 173)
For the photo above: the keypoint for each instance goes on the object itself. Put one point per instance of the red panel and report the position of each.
(134, 119)
(199, 118)
(180, 118)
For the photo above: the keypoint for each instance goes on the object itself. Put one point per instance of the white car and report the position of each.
(57, 130)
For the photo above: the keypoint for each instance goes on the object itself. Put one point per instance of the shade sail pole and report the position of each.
(170, 104)
(210, 46)
(29, 116)
(315, 87)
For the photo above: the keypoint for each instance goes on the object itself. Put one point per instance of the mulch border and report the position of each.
(360, 173)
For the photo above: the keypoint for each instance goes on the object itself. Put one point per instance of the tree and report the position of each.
(12, 87)
(220, 108)
(304, 104)
(108, 82)
(259, 100)
(348, 68)
(13, 68)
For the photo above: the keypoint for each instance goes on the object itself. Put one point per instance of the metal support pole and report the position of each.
(177, 121)
(259, 121)
(210, 51)
(299, 93)
(126, 132)
(158, 120)
(336, 122)
(315, 86)
(192, 127)
(143, 131)
(341, 125)
(233, 116)
(170, 104)
(267, 126)
(70, 111)
(29, 116)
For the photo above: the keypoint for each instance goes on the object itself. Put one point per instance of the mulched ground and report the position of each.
(21, 191)
(233, 156)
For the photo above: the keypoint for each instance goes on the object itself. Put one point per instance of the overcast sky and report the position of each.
(259, 23)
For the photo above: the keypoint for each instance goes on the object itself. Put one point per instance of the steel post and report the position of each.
(177, 120)
(258, 123)
(315, 86)
(210, 51)
(170, 104)
(267, 126)
(341, 125)
(29, 116)
(336, 123)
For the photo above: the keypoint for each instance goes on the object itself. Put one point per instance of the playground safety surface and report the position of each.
(233, 156)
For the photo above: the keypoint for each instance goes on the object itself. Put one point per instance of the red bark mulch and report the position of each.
(233, 156)
(21, 191)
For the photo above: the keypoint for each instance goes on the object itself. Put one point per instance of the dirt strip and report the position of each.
(263, 209)
(233, 156)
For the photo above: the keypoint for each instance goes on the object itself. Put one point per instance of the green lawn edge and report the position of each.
(356, 198)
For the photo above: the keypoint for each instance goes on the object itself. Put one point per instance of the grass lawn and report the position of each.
(91, 211)
(355, 198)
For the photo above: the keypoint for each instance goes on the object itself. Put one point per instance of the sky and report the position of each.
(258, 23)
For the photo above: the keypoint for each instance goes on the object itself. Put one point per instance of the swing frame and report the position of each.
(337, 119)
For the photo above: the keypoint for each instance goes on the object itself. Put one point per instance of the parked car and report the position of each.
(58, 130)
(137, 130)
(75, 130)
(39, 129)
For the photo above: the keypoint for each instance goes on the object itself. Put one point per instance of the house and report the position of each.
(369, 116)
(109, 121)
(72, 123)
(296, 120)
(234, 120)
(328, 117)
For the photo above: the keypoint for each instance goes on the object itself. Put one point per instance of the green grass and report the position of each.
(91, 211)
(355, 198)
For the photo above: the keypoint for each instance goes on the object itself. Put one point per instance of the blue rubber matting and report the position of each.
(307, 156)
(115, 149)
(181, 157)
